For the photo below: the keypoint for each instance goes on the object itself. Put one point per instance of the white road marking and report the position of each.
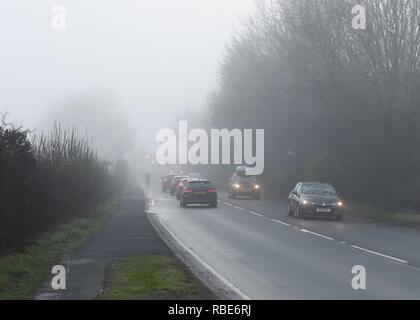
(316, 234)
(319, 235)
(256, 213)
(214, 272)
(281, 222)
(378, 254)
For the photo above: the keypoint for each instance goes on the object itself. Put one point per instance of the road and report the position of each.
(264, 253)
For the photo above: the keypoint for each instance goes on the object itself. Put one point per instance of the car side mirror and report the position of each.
(294, 192)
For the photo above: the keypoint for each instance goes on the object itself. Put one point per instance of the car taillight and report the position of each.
(211, 190)
(188, 190)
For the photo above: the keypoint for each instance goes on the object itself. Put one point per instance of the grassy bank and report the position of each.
(405, 219)
(151, 277)
(22, 271)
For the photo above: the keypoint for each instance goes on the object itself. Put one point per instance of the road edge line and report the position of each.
(218, 284)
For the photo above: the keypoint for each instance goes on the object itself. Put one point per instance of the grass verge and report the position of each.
(405, 219)
(151, 277)
(23, 271)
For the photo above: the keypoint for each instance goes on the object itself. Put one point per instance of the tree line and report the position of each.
(46, 180)
(337, 104)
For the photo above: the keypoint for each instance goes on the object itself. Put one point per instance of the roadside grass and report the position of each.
(23, 271)
(150, 277)
(404, 219)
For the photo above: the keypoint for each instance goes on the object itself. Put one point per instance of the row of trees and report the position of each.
(49, 180)
(337, 104)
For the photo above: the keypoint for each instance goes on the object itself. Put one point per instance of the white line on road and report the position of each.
(378, 254)
(316, 234)
(281, 222)
(208, 267)
(256, 213)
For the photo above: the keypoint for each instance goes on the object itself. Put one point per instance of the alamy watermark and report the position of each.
(359, 17)
(358, 281)
(199, 146)
(59, 281)
(59, 17)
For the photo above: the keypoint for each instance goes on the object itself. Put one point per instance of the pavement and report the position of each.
(262, 253)
(127, 233)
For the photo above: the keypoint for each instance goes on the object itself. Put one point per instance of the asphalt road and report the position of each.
(264, 253)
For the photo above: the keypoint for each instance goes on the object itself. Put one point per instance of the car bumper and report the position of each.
(200, 199)
(246, 192)
(319, 212)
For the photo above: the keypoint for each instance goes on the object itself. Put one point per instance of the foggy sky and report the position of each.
(159, 57)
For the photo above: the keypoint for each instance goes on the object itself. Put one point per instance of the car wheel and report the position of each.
(339, 217)
(232, 196)
(213, 204)
(297, 213)
(182, 204)
(257, 197)
(289, 210)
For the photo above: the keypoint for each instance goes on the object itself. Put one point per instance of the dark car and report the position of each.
(174, 184)
(198, 192)
(242, 185)
(315, 199)
(166, 182)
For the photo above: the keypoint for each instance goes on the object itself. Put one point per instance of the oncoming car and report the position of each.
(198, 192)
(242, 185)
(315, 199)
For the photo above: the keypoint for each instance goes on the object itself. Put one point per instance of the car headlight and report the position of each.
(237, 186)
(256, 186)
(339, 203)
(305, 202)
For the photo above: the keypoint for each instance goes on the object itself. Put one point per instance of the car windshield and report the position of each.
(318, 188)
(198, 184)
(250, 179)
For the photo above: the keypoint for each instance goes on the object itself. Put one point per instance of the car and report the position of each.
(174, 184)
(315, 199)
(242, 185)
(198, 192)
(181, 186)
(166, 181)
(195, 175)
